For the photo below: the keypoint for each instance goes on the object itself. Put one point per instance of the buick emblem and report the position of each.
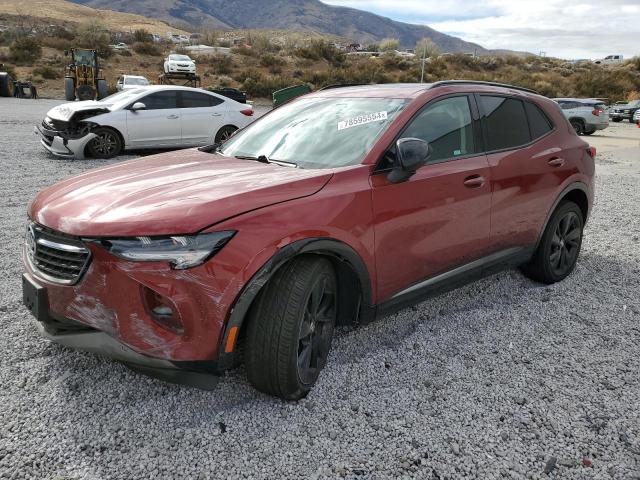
(30, 242)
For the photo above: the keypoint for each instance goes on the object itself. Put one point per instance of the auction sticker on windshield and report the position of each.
(362, 119)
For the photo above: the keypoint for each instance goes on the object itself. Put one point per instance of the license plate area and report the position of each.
(35, 299)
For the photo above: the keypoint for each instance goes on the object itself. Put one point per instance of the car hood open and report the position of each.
(173, 193)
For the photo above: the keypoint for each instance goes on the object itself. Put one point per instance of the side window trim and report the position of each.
(475, 123)
(485, 132)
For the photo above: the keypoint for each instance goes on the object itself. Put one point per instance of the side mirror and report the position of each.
(138, 106)
(412, 153)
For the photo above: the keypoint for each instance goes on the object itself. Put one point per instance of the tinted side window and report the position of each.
(160, 100)
(447, 126)
(538, 121)
(198, 100)
(506, 122)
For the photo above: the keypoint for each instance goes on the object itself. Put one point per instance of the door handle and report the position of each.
(216, 114)
(474, 181)
(556, 162)
(173, 117)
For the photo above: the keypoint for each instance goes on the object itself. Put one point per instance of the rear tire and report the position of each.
(557, 253)
(578, 126)
(107, 144)
(103, 90)
(631, 120)
(225, 133)
(616, 120)
(6, 85)
(588, 132)
(69, 89)
(291, 327)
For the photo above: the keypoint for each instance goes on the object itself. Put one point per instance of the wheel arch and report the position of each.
(576, 192)
(352, 275)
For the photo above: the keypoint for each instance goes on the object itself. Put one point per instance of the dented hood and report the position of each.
(173, 193)
(66, 111)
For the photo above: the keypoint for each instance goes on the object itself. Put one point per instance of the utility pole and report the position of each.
(424, 57)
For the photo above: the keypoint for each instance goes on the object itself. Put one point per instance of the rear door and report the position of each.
(202, 116)
(158, 125)
(440, 217)
(527, 168)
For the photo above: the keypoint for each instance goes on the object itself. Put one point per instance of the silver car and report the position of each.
(585, 115)
(130, 82)
(147, 117)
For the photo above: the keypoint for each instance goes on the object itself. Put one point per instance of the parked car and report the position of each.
(338, 207)
(181, 64)
(636, 117)
(146, 117)
(610, 60)
(128, 82)
(625, 111)
(119, 46)
(585, 115)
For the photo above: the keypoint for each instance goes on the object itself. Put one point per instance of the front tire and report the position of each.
(107, 143)
(69, 89)
(291, 327)
(559, 247)
(103, 89)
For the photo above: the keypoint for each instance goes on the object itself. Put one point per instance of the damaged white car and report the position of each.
(148, 117)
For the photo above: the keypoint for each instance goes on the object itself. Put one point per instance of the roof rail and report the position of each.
(340, 85)
(443, 83)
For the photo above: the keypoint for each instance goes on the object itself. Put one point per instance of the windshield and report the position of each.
(634, 103)
(180, 58)
(120, 96)
(136, 81)
(317, 132)
(83, 57)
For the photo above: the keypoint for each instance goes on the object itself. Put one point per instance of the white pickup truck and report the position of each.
(610, 60)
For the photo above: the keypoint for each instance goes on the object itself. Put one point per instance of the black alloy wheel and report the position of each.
(106, 144)
(557, 252)
(565, 244)
(291, 326)
(316, 330)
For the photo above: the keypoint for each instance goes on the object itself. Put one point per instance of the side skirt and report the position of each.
(455, 278)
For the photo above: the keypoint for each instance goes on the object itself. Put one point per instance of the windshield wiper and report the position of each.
(259, 158)
(265, 159)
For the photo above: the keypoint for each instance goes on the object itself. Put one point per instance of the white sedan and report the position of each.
(179, 64)
(129, 82)
(145, 118)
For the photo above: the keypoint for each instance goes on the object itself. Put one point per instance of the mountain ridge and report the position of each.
(305, 15)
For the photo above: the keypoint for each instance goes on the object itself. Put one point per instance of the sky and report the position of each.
(566, 29)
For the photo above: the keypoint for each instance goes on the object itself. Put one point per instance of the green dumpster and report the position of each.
(289, 93)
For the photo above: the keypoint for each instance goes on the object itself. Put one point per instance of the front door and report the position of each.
(158, 124)
(440, 218)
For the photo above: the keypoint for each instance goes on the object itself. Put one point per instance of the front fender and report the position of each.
(321, 246)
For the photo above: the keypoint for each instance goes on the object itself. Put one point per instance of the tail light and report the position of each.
(595, 112)
(592, 152)
(247, 111)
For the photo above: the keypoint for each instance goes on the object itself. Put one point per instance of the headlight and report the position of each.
(180, 251)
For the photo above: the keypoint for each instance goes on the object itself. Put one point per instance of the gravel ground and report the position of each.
(502, 378)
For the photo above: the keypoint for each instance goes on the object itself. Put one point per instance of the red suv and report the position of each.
(334, 209)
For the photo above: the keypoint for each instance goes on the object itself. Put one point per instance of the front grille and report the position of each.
(55, 256)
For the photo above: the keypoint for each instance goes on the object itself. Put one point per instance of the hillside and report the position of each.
(310, 15)
(56, 11)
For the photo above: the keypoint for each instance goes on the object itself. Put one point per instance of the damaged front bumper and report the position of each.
(71, 334)
(55, 143)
